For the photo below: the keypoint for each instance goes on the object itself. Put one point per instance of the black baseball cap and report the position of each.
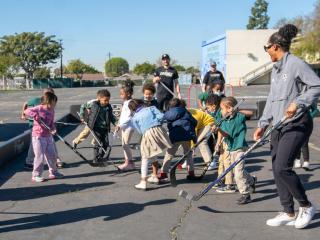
(213, 63)
(165, 56)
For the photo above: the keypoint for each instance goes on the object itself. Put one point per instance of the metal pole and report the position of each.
(61, 69)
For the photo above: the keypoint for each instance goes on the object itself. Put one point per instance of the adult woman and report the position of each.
(294, 87)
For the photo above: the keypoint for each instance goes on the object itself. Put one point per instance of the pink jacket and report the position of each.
(47, 116)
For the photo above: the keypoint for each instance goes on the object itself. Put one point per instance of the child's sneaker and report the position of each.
(184, 165)
(141, 186)
(226, 189)
(218, 185)
(281, 219)
(244, 199)
(306, 165)
(127, 167)
(212, 166)
(163, 177)
(305, 215)
(153, 179)
(28, 166)
(56, 175)
(60, 164)
(37, 179)
(297, 163)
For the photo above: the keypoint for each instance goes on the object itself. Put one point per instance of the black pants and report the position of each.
(102, 135)
(285, 146)
(163, 103)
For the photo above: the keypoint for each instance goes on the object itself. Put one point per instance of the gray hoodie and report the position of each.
(292, 81)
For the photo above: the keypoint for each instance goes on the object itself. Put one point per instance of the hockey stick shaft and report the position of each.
(168, 89)
(234, 164)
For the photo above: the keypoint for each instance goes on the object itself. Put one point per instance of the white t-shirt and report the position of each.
(125, 115)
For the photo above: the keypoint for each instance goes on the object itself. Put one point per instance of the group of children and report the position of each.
(184, 128)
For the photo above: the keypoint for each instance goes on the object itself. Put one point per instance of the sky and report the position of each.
(137, 30)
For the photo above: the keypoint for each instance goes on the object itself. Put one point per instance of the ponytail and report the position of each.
(284, 36)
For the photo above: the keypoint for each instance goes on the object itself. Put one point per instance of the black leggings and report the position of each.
(102, 135)
(285, 146)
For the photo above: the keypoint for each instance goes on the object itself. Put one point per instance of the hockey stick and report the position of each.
(65, 142)
(184, 194)
(107, 152)
(169, 90)
(173, 179)
(68, 124)
(205, 169)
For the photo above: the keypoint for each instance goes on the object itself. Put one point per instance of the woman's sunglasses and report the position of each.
(266, 47)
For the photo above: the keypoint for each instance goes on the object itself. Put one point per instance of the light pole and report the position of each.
(61, 70)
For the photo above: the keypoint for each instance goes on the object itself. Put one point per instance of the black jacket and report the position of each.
(95, 109)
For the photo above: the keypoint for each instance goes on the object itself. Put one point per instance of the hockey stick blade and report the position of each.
(184, 194)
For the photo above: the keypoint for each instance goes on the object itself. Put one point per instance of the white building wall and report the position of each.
(244, 52)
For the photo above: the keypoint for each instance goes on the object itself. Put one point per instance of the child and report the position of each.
(204, 123)
(213, 108)
(181, 127)
(99, 121)
(42, 140)
(126, 93)
(234, 131)
(147, 121)
(148, 91)
(86, 131)
(30, 156)
(214, 88)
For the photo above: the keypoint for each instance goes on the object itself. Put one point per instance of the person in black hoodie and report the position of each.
(99, 121)
(181, 127)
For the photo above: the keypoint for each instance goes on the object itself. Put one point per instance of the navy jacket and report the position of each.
(181, 125)
(95, 108)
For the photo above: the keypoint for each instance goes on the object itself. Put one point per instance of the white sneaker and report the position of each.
(305, 165)
(141, 186)
(212, 166)
(153, 179)
(305, 215)
(281, 219)
(297, 163)
(37, 179)
(184, 165)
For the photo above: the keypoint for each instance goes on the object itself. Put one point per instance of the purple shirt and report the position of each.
(47, 116)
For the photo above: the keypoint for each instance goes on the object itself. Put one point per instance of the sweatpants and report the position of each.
(186, 145)
(102, 135)
(44, 150)
(304, 151)
(285, 145)
(30, 155)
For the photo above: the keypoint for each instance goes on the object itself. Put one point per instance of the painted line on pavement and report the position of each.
(314, 147)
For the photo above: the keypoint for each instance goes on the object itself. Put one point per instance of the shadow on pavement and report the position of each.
(109, 212)
(26, 193)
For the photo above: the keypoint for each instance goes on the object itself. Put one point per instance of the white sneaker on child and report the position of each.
(141, 186)
(184, 165)
(305, 215)
(281, 219)
(153, 179)
(297, 163)
(37, 179)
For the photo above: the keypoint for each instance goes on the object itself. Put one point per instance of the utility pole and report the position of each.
(61, 69)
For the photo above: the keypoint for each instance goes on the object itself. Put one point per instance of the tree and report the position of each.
(32, 49)
(179, 68)
(116, 67)
(144, 68)
(78, 68)
(9, 66)
(259, 18)
(42, 73)
(192, 70)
